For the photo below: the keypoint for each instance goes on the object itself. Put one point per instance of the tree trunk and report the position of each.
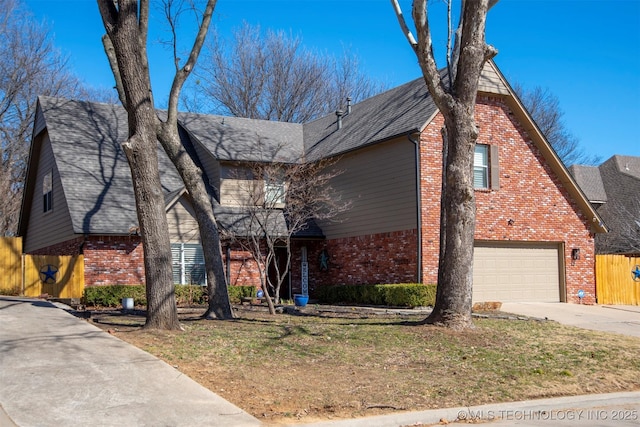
(457, 210)
(161, 305)
(123, 30)
(219, 304)
(456, 101)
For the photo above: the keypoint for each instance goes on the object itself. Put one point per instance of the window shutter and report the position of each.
(494, 169)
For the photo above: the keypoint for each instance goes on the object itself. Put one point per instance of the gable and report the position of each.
(85, 140)
(42, 228)
(183, 227)
(548, 154)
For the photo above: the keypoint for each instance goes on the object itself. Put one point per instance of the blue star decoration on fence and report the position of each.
(48, 274)
(636, 274)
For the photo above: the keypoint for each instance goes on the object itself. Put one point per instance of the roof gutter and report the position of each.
(418, 162)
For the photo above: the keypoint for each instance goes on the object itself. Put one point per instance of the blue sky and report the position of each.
(586, 52)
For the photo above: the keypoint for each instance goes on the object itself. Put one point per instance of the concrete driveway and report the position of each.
(621, 319)
(58, 370)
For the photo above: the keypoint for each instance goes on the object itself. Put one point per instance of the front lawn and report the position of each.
(353, 363)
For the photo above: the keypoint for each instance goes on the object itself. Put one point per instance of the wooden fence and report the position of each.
(36, 275)
(10, 265)
(615, 282)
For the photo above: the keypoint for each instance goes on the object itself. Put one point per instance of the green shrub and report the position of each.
(237, 292)
(191, 294)
(398, 295)
(410, 295)
(111, 296)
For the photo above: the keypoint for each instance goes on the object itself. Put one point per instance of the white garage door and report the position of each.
(528, 272)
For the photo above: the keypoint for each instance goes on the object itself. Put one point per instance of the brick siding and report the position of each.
(530, 194)
(376, 258)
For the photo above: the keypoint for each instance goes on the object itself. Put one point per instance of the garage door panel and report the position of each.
(516, 273)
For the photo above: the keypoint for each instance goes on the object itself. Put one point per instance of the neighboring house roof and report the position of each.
(620, 180)
(590, 180)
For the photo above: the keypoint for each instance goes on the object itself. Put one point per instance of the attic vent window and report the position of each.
(47, 192)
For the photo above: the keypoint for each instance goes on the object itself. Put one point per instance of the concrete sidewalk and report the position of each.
(604, 410)
(58, 370)
(621, 319)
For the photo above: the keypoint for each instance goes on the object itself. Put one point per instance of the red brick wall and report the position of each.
(113, 260)
(244, 270)
(370, 259)
(530, 194)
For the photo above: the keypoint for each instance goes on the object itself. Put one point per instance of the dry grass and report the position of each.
(337, 365)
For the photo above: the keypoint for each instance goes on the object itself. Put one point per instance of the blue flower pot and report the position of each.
(300, 300)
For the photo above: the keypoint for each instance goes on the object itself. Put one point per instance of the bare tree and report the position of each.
(30, 66)
(126, 24)
(545, 110)
(278, 201)
(270, 76)
(622, 215)
(125, 45)
(454, 93)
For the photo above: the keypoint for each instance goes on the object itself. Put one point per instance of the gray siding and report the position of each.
(183, 227)
(46, 229)
(490, 81)
(380, 184)
(210, 165)
(39, 122)
(237, 186)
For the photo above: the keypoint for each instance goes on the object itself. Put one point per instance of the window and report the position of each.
(188, 264)
(274, 191)
(481, 166)
(47, 192)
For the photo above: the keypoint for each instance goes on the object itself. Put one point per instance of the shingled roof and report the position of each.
(85, 139)
(590, 181)
(619, 178)
(240, 139)
(399, 111)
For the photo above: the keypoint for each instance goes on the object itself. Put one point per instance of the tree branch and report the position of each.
(403, 24)
(113, 62)
(108, 12)
(426, 58)
(182, 75)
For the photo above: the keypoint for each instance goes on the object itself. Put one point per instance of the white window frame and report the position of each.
(183, 268)
(274, 191)
(481, 177)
